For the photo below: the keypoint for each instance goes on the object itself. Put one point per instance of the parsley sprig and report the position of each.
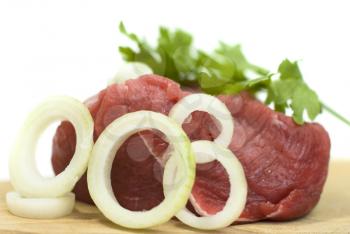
(226, 71)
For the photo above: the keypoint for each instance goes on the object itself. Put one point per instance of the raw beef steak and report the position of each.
(285, 164)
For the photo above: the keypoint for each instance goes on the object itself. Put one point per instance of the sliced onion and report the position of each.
(130, 70)
(207, 151)
(24, 174)
(99, 171)
(40, 208)
(210, 104)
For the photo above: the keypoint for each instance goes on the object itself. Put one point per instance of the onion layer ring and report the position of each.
(24, 174)
(207, 151)
(210, 104)
(129, 71)
(40, 208)
(99, 170)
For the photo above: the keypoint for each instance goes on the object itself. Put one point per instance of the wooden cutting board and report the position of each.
(332, 215)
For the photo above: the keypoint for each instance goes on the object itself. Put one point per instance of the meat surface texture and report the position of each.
(285, 164)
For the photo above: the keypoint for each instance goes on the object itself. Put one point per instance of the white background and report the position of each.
(70, 47)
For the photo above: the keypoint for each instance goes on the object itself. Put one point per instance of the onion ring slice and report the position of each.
(207, 103)
(99, 170)
(207, 151)
(128, 71)
(24, 174)
(40, 208)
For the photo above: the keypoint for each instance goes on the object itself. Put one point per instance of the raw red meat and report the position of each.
(285, 164)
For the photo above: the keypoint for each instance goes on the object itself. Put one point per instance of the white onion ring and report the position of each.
(130, 70)
(207, 151)
(207, 103)
(99, 171)
(24, 174)
(40, 208)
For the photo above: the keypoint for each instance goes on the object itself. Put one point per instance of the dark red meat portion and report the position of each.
(137, 175)
(211, 188)
(285, 164)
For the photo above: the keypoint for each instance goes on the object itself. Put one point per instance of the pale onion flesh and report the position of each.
(130, 70)
(40, 208)
(206, 103)
(105, 148)
(24, 173)
(207, 151)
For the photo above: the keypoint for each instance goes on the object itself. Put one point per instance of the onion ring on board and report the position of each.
(207, 151)
(40, 208)
(99, 170)
(24, 174)
(210, 104)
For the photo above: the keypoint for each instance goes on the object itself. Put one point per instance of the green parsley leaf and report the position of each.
(305, 99)
(280, 92)
(289, 70)
(290, 91)
(225, 70)
(145, 54)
